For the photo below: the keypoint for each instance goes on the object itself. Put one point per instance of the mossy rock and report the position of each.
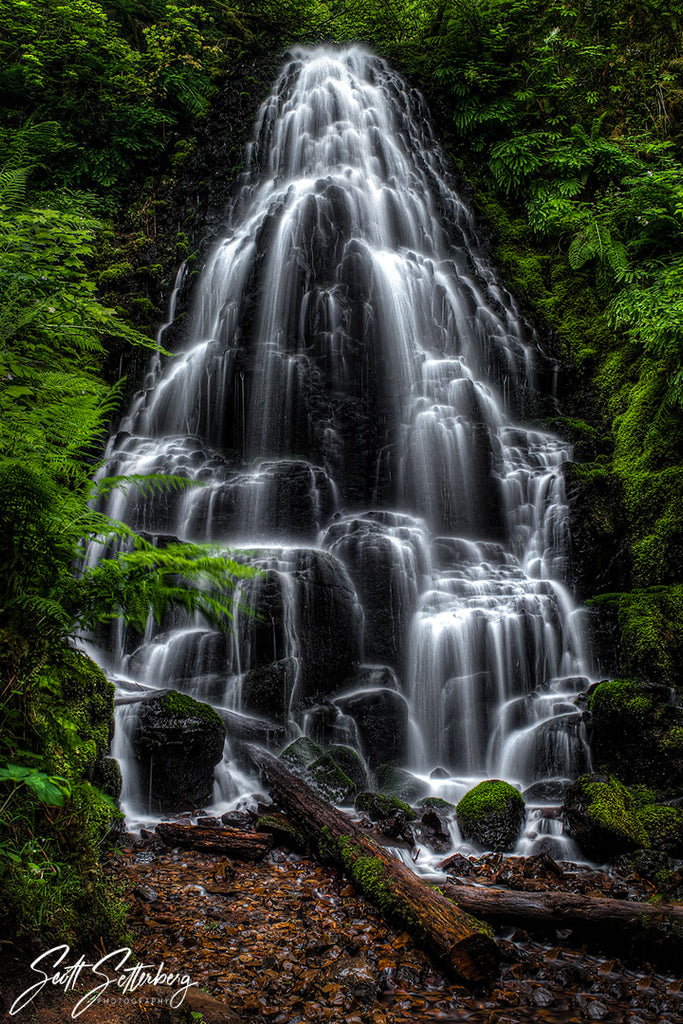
(350, 762)
(435, 803)
(664, 828)
(492, 814)
(327, 778)
(300, 753)
(84, 697)
(380, 808)
(281, 829)
(177, 742)
(398, 782)
(602, 816)
(637, 733)
(649, 628)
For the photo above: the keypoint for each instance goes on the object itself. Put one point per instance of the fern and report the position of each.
(595, 241)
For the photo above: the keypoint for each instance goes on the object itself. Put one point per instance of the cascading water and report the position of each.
(351, 398)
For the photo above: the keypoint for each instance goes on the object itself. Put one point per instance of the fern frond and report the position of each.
(148, 484)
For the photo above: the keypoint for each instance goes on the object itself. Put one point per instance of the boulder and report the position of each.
(601, 815)
(380, 807)
(177, 741)
(350, 762)
(492, 815)
(300, 753)
(381, 716)
(266, 690)
(400, 783)
(329, 781)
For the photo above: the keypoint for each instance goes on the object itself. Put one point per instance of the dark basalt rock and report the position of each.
(350, 762)
(400, 783)
(492, 814)
(637, 733)
(382, 719)
(307, 592)
(176, 742)
(266, 690)
(434, 831)
(380, 808)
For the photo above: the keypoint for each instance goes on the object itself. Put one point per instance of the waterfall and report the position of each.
(353, 398)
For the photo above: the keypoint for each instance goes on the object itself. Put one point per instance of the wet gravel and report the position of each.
(288, 941)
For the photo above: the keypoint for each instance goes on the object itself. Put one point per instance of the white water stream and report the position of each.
(353, 397)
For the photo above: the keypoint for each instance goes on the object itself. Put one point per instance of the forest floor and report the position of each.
(289, 941)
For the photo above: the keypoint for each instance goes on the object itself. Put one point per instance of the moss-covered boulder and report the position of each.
(300, 753)
(350, 762)
(400, 783)
(637, 733)
(492, 814)
(381, 808)
(85, 697)
(177, 742)
(602, 816)
(328, 779)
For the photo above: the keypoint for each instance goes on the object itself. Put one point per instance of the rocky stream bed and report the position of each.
(288, 940)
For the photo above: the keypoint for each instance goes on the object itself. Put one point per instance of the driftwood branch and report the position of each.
(463, 945)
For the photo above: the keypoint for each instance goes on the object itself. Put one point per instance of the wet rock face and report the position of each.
(177, 742)
(381, 717)
(306, 627)
(492, 814)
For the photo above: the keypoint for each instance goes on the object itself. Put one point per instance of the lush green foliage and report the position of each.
(567, 116)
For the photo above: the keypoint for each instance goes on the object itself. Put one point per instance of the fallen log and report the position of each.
(609, 921)
(463, 945)
(232, 841)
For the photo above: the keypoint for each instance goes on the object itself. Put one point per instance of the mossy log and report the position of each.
(622, 923)
(463, 945)
(232, 841)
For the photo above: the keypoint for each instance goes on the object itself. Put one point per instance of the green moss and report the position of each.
(181, 706)
(400, 783)
(369, 875)
(115, 274)
(302, 752)
(379, 806)
(637, 733)
(330, 781)
(492, 814)
(612, 808)
(650, 624)
(435, 803)
(664, 828)
(350, 762)
(282, 830)
(490, 796)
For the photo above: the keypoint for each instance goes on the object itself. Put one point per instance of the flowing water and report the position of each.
(353, 398)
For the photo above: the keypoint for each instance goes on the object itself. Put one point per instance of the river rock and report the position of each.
(176, 742)
(492, 814)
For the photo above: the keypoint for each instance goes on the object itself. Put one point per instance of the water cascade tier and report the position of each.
(353, 399)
